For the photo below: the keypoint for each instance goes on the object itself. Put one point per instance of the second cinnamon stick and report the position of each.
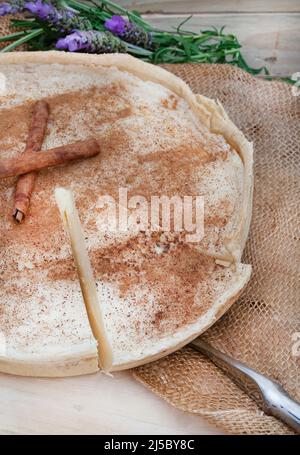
(36, 134)
(35, 161)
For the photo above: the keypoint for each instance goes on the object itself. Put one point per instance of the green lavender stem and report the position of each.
(136, 50)
(23, 40)
(87, 9)
(12, 36)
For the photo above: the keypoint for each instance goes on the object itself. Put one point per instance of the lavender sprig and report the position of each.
(129, 32)
(92, 41)
(62, 20)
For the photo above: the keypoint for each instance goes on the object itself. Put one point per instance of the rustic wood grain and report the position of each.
(268, 39)
(268, 30)
(194, 6)
(94, 404)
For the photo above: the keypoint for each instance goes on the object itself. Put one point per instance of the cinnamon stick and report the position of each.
(35, 161)
(34, 143)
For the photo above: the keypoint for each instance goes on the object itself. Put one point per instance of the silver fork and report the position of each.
(269, 395)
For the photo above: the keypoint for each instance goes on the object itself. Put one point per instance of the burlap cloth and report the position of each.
(261, 328)
(6, 28)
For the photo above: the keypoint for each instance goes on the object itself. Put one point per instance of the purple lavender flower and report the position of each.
(74, 42)
(40, 9)
(60, 19)
(91, 41)
(13, 7)
(5, 8)
(129, 32)
(116, 25)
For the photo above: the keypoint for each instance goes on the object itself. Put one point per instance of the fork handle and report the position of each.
(268, 394)
(282, 406)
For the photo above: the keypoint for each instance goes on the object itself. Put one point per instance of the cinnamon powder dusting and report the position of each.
(170, 103)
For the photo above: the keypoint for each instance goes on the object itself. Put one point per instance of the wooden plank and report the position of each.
(211, 6)
(94, 404)
(267, 39)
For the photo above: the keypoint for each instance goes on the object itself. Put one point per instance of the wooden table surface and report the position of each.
(269, 30)
(93, 404)
(97, 404)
